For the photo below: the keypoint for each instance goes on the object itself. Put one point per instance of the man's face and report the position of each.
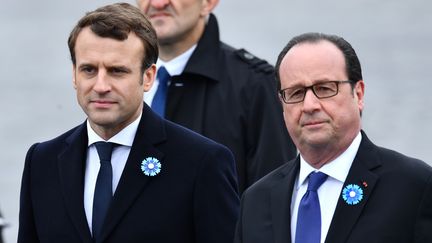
(320, 123)
(108, 80)
(175, 20)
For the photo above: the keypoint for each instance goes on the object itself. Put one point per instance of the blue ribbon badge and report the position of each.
(352, 194)
(151, 166)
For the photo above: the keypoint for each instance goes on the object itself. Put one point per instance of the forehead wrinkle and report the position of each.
(308, 63)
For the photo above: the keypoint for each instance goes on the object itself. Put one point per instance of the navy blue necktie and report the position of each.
(158, 103)
(309, 214)
(103, 189)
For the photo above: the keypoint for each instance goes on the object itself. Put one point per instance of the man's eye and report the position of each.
(296, 93)
(88, 70)
(117, 71)
(324, 88)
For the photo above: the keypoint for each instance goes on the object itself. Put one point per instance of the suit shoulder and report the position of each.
(269, 180)
(404, 164)
(59, 140)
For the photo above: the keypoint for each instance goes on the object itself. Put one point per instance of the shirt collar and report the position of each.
(177, 65)
(125, 137)
(337, 169)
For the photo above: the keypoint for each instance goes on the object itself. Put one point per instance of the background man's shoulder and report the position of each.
(257, 64)
(243, 58)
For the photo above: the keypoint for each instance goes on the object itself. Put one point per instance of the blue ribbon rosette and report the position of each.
(151, 166)
(352, 194)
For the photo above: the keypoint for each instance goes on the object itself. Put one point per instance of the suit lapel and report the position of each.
(346, 216)
(71, 163)
(132, 182)
(281, 196)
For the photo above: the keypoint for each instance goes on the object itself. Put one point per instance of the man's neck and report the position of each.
(170, 50)
(107, 132)
(318, 156)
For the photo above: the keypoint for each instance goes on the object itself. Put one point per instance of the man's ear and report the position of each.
(74, 77)
(149, 77)
(359, 90)
(208, 6)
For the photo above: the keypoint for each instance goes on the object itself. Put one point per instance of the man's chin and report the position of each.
(101, 120)
(317, 139)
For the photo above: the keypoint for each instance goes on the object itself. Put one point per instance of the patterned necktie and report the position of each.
(158, 103)
(309, 213)
(103, 189)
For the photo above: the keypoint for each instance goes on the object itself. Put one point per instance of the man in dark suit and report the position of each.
(341, 188)
(160, 183)
(223, 93)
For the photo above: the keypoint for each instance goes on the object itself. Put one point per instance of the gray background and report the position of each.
(392, 39)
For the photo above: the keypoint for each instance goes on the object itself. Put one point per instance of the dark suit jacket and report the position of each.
(230, 96)
(193, 199)
(396, 208)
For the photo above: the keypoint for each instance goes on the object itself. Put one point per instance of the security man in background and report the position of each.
(224, 93)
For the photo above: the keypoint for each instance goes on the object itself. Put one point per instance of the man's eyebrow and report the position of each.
(85, 65)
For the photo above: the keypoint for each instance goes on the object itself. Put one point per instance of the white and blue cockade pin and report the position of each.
(151, 166)
(352, 194)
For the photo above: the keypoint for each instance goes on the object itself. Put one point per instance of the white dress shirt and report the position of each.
(329, 192)
(173, 67)
(119, 156)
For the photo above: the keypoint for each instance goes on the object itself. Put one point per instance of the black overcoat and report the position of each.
(230, 96)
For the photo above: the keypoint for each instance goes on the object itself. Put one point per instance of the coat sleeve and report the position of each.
(423, 232)
(27, 229)
(268, 142)
(216, 200)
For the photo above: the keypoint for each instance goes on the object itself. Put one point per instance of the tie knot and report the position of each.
(104, 150)
(316, 179)
(163, 76)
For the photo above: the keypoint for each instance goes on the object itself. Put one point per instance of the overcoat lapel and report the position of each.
(71, 165)
(361, 174)
(188, 92)
(191, 97)
(281, 196)
(132, 182)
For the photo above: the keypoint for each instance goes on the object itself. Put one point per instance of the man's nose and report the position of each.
(102, 84)
(311, 101)
(159, 4)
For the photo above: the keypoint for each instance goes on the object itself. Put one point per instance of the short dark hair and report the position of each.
(117, 21)
(352, 63)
